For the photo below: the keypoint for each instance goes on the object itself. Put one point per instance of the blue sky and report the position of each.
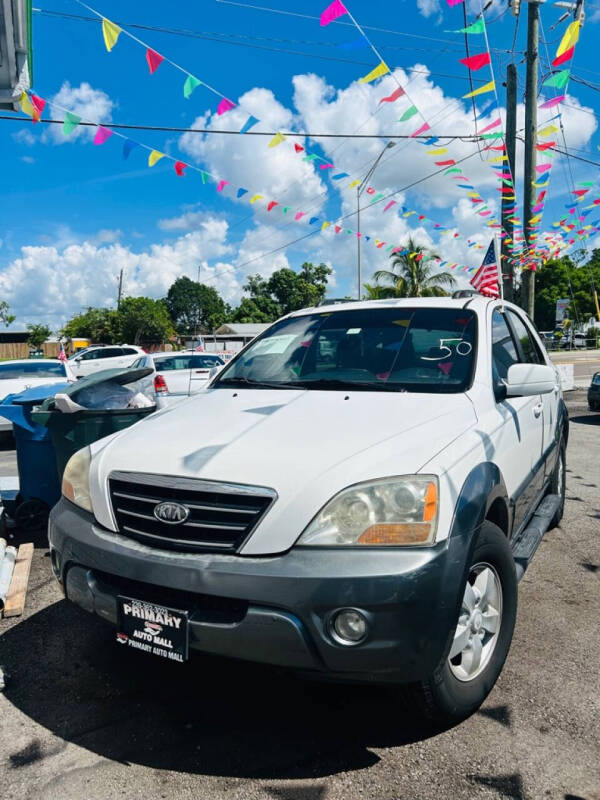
(74, 214)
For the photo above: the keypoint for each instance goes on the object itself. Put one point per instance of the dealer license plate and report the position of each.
(157, 630)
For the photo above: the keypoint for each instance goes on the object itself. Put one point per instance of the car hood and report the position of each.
(306, 445)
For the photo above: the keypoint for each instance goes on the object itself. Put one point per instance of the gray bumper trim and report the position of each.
(409, 596)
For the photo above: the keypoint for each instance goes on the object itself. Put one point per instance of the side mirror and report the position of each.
(525, 380)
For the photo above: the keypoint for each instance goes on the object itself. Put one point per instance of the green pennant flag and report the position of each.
(71, 121)
(205, 176)
(451, 170)
(476, 27)
(585, 183)
(559, 80)
(190, 84)
(410, 112)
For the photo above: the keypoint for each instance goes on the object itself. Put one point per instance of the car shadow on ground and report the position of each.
(211, 716)
(593, 418)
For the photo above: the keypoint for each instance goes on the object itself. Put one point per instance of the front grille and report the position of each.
(221, 516)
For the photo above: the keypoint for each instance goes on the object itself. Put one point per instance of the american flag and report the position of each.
(62, 356)
(200, 346)
(485, 279)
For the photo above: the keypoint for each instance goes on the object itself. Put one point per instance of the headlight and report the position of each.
(76, 479)
(389, 511)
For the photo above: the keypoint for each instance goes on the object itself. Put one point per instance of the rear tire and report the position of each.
(559, 485)
(460, 685)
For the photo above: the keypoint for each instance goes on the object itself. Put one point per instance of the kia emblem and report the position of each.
(171, 513)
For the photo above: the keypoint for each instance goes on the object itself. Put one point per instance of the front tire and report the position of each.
(480, 643)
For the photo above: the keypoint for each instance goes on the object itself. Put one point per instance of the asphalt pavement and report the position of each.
(82, 718)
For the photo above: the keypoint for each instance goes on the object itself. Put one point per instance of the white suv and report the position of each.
(355, 495)
(93, 359)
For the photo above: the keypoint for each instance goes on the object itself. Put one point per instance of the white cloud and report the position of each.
(24, 137)
(184, 222)
(429, 7)
(54, 282)
(92, 105)
(277, 173)
(28, 159)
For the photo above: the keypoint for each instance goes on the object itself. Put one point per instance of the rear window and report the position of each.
(32, 370)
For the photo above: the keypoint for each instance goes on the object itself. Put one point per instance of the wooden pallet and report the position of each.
(17, 591)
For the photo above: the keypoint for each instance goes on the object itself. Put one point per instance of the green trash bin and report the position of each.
(71, 432)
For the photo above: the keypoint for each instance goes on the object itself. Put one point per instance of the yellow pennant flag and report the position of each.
(155, 156)
(488, 87)
(378, 72)
(498, 158)
(111, 32)
(353, 184)
(277, 139)
(548, 131)
(256, 197)
(439, 152)
(569, 39)
(27, 106)
(325, 225)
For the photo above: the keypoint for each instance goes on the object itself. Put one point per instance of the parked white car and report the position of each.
(355, 496)
(21, 374)
(176, 375)
(93, 359)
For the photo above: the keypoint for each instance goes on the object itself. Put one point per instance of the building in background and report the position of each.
(16, 52)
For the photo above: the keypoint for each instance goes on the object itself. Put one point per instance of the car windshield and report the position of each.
(383, 349)
(596, 379)
(168, 363)
(32, 369)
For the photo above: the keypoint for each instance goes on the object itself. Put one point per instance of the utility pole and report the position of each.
(120, 289)
(359, 190)
(529, 176)
(508, 275)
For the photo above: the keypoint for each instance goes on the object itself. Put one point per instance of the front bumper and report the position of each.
(274, 610)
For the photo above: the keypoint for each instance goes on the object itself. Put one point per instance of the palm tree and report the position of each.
(380, 292)
(412, 276)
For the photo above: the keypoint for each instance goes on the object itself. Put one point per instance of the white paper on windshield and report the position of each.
(273, 344)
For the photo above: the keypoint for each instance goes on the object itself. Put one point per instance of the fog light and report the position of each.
(349, 626)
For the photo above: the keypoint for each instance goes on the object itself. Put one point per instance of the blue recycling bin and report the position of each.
(39, 484)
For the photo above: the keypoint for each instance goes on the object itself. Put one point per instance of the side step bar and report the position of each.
(528, 542)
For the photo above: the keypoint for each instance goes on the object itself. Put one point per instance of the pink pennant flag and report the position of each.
(554, 101)
(325, 166)
(299, 215)
(399, 92)
(389, 205)
(221, 185)
(102, 134)
(421, 130)
(180, 167)
(38, 104)
(475, 62)
(490, 126)
(454, 2)
(537, 208)
(332, 12)
(543, 167)
(225, 105)
(154, 60)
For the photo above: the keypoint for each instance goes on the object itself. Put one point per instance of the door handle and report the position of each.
(537, 410)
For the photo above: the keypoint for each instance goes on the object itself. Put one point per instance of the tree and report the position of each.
(194, 306)
(412, 274)
(285, 291)
(38, 334)
(96, 324)
(5, 316)
(142, 319)
(562, 278)
(379, 292)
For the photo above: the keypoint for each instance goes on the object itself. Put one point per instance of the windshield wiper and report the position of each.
(247, 382)
(337, 383)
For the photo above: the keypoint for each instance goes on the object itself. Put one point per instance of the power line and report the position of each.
(215, 36)
(465, 137)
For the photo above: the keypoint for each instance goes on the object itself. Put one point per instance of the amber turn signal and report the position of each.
(391, 533)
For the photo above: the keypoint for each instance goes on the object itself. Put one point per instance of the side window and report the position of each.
(111, 352)
(138, 363)
(504, 352)
(129, 351)
(529, 347)
(90, 355)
